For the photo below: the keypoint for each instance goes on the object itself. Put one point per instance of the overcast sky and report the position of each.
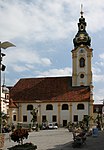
(43, 32)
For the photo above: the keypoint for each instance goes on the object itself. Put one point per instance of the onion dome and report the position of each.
(82, 36)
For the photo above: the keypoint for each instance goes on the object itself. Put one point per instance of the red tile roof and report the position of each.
(48, 89)
(12, 104)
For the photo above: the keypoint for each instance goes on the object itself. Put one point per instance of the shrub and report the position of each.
(19, 135)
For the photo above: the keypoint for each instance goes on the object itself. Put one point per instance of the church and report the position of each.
(58, 99)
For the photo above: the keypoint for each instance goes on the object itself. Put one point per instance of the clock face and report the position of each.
(81, 36)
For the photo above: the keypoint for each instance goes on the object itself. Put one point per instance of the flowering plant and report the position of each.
(18, 135)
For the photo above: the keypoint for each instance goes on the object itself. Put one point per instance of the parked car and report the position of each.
(52, 126)
(55, 126)
(34, 128)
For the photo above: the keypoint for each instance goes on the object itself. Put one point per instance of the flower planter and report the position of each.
(18, 136)
(26, 146)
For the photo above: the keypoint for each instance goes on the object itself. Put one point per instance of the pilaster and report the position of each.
(70, 112)
(59, 107)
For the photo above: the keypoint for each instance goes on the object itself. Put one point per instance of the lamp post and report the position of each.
(3, 45)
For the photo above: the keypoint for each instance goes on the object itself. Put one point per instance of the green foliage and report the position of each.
(34, 113)
(40, 126)
(3, 118)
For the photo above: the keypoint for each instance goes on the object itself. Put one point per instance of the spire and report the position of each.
(4, 88)
(81, 10)
(82, 36)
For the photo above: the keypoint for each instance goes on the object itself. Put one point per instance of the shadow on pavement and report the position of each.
(92, 143)
(66, 146)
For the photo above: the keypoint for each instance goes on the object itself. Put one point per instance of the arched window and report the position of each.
(29, 107)
(82, 62)
(49, 107)
(80, 106)
(65, 107)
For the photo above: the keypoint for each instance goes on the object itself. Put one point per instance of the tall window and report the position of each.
(80, 106)
(14, 117)
(29, 107)
(54, 118)
(49, 107)
(82, 62)
(65, 107)
(24, 118)
(75, 118)
(44, 118)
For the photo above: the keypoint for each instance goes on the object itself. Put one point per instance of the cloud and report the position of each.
(98, 78)
(46, 61)
(10, 81)
(40, 21)
(100, 63)
(20, 68)
(97, 69)
(101, 56)
(98, 75)
(29, 57)
(56, 72)
(46, 20)
(98, 96)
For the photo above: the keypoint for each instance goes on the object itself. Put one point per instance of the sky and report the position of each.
(43, 32)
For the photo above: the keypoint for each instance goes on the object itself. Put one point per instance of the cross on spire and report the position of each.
(81, 10)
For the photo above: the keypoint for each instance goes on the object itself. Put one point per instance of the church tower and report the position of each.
(82, 56)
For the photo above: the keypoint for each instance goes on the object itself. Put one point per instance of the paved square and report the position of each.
(59, 139)
(45, 139)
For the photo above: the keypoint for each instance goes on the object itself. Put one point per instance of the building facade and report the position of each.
(58, 99)
(4, 101)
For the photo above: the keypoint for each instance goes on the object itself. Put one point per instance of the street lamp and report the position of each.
(3, 45)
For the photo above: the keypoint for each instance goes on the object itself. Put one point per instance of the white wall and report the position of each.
(64, 114)
(80, 113)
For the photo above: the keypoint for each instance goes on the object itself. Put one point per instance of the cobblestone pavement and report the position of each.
(60, 139)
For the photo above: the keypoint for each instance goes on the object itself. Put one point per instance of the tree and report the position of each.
(19, 135)
(34, 113)
(4, 118)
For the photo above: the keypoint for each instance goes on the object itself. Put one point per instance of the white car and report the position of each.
(50, 126)
(55, 127)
